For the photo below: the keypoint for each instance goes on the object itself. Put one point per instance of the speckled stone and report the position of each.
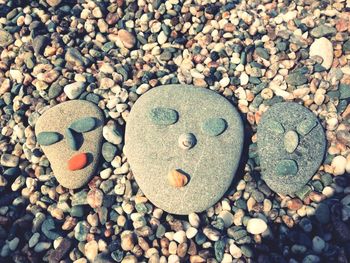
(308, 155)
(154, 150)
(58, 119)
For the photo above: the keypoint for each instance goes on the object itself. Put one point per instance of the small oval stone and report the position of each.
(177, 179)
(276, 127)
(71, 139)
(291, 141)
(163, 116)
(214, 126)
(286, 167)
(77, 162)
(83, 124)
(187, 141)
(256, 226)
(48, 138)
(306, 126)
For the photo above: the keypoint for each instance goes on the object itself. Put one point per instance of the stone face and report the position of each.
(61, 154)
(154, 151)
(286, 172)
(323, 47)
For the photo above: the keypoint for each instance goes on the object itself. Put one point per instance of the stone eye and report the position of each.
(306, 126)
(82, 125)
(214, 126)
(48, 138)
(276, 127)
(163, 116)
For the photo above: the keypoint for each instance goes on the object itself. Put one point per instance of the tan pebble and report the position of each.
(177, 179)
(127, 241)
(339, 165)
(126, 38)
(267, 93)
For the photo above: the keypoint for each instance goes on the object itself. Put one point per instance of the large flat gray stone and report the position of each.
(286, 172)
(58, 119)
(152, 147)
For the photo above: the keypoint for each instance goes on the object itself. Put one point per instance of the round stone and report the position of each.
(322, 47)
(256, 226)
(57, 119)
(187, 141)
(153, 151)
(291, 140)
(286, 172)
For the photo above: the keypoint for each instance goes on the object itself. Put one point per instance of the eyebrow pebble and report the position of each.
(48, 138)
(83, 124)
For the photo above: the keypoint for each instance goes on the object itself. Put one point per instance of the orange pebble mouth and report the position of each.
(78, 161)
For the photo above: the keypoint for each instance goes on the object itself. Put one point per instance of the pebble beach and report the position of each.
(255, 53)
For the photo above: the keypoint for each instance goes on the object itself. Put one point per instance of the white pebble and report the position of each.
(227, 217)
(194, 220)
(338, 165)
(318, 244)
(180, 237)
(235, 251)
(224, 82)
(256, 226)
(244, 79)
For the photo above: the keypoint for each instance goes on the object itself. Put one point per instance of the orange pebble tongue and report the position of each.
(77, 162)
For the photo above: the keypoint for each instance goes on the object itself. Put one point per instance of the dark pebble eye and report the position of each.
(163, 116)
(214, 126)
(48, 138)
(82, 125)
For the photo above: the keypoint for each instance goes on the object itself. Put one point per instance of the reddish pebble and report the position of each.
(294, 204)
(77, 162)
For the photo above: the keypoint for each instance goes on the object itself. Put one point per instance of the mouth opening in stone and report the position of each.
(79, 161)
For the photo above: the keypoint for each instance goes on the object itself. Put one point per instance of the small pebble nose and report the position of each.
(187, 141)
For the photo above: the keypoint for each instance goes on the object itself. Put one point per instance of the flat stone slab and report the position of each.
(291, 145)
(184, 145)
(70, 135)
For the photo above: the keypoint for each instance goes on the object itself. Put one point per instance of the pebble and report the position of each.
(112, 135)
(163, 116)
(84, 124)
(296, 79)
(34, 239)
(109, 151)
(81, 230)
(127, 38)
(74, 90)
(91, 250)
(318, 244)
(256, 226)
(227, 217)
(235, 251)
(211, 234)
(338, 165)
(127, 241)
(95, 198)
(286, 167)
(244, 79)
(13, 244)
(323, 30)
(214, 127)
(48, 138)
(9, 160)
(194, 220)
(180, 236)
(291, 141)
(323, 47)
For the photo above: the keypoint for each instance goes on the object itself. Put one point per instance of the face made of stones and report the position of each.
(183, 144)
(291, 145)
(70, 136)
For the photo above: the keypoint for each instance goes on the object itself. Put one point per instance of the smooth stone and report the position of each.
(163, 116)
(71, 139)
(291, 140)
(112, 134)
(296, 79)
(109, 151)
(214, 126)
(39, 44)
(9, 160)
(48, 138)
(153, 151)
(272, 153)
(74, 57)
(256, 226)
(85, 124)
(286, 167)
(318, 244)
(344, 90)
(275, 126)
(127, 38)
(323, 30)
(306, 126)
(81, 230)
(5, 38)
(58, 119)
(322, 47)
(74, 90)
